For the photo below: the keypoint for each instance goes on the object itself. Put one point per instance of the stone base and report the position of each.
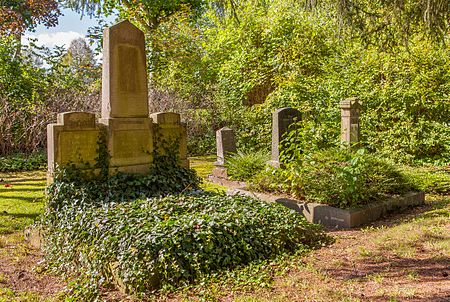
(220, 172)
(33, 235)
(274, 163)
(151, 283)
(335, 218)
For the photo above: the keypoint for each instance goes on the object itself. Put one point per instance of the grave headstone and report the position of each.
(282, 119)
(124, 82)
(130, 134)
(225, 143)
(72, 140)
(170, 130)
(125, 99)
(350, 112)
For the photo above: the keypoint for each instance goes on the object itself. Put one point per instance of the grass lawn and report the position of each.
(21, 200)
(204, 166)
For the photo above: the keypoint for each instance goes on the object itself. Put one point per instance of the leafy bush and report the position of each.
(23, 162)
(337, 177)
(243, 166)
(434, 180)
(163, 242)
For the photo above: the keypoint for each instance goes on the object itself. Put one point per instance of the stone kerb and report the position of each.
(282, 119)
(168, 130)
(72, 140)
(350, 112)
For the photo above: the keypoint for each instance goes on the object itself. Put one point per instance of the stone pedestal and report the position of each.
(350, 112)
(170, 130)
(130, 144)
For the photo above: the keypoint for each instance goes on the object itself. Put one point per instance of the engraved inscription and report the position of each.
(78, 147)
(128, 69)
(132, 144)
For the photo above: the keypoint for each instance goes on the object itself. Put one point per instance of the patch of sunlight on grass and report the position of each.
(429, 229)
(204, 165)
(21, 200)
(8, 295)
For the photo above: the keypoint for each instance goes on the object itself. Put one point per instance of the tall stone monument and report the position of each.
(131, 135)
(125, 99)
(282, 119)
(350, 112)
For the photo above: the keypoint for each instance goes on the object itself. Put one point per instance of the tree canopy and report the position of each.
(17, 16)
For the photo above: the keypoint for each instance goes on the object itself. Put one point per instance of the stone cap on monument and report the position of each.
(124, 79)
(350, 103)
(76, 119)
(166, 118)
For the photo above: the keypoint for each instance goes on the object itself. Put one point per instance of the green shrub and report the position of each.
(337, 177)
(243, 166)
(23, 162)
(434, 180)
(165, 242)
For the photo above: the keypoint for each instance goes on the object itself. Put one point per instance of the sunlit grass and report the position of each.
(21, 200)
(204, 166)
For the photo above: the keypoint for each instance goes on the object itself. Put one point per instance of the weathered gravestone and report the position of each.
(72, 140)
(350, 112)
(282, 119)
(125, 99)
(169, 130)
(226, 145)
(130, 134)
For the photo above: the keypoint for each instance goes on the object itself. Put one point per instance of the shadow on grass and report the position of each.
(20, 215)
(23, 198)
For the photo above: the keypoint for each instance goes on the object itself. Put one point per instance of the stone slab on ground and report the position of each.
(335, 218)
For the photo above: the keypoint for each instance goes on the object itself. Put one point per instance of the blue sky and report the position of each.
(70, 26)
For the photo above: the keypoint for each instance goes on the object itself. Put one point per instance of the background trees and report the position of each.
(19, 15)
(233, 62)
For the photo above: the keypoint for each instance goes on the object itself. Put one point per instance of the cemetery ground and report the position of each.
(403, 257)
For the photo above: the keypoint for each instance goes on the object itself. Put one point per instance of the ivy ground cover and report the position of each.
(146, 244)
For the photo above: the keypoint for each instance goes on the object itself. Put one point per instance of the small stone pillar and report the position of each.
(226, 144)
(350, 111)
(170, 130)
(282, 119)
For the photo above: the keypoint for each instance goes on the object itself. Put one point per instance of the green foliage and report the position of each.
(31, 94)
(244, 165)
(337, 177)
(23, 162)
(433, 180)
(283, 54)
(162, 242)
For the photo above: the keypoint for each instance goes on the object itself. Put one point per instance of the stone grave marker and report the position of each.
(282, 119)
(350, 112)
(125, 99)
(131, 134)
(226, 145)
(72, 140)
(170, 129)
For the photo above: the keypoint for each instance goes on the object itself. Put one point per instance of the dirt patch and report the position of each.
(20, 272)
